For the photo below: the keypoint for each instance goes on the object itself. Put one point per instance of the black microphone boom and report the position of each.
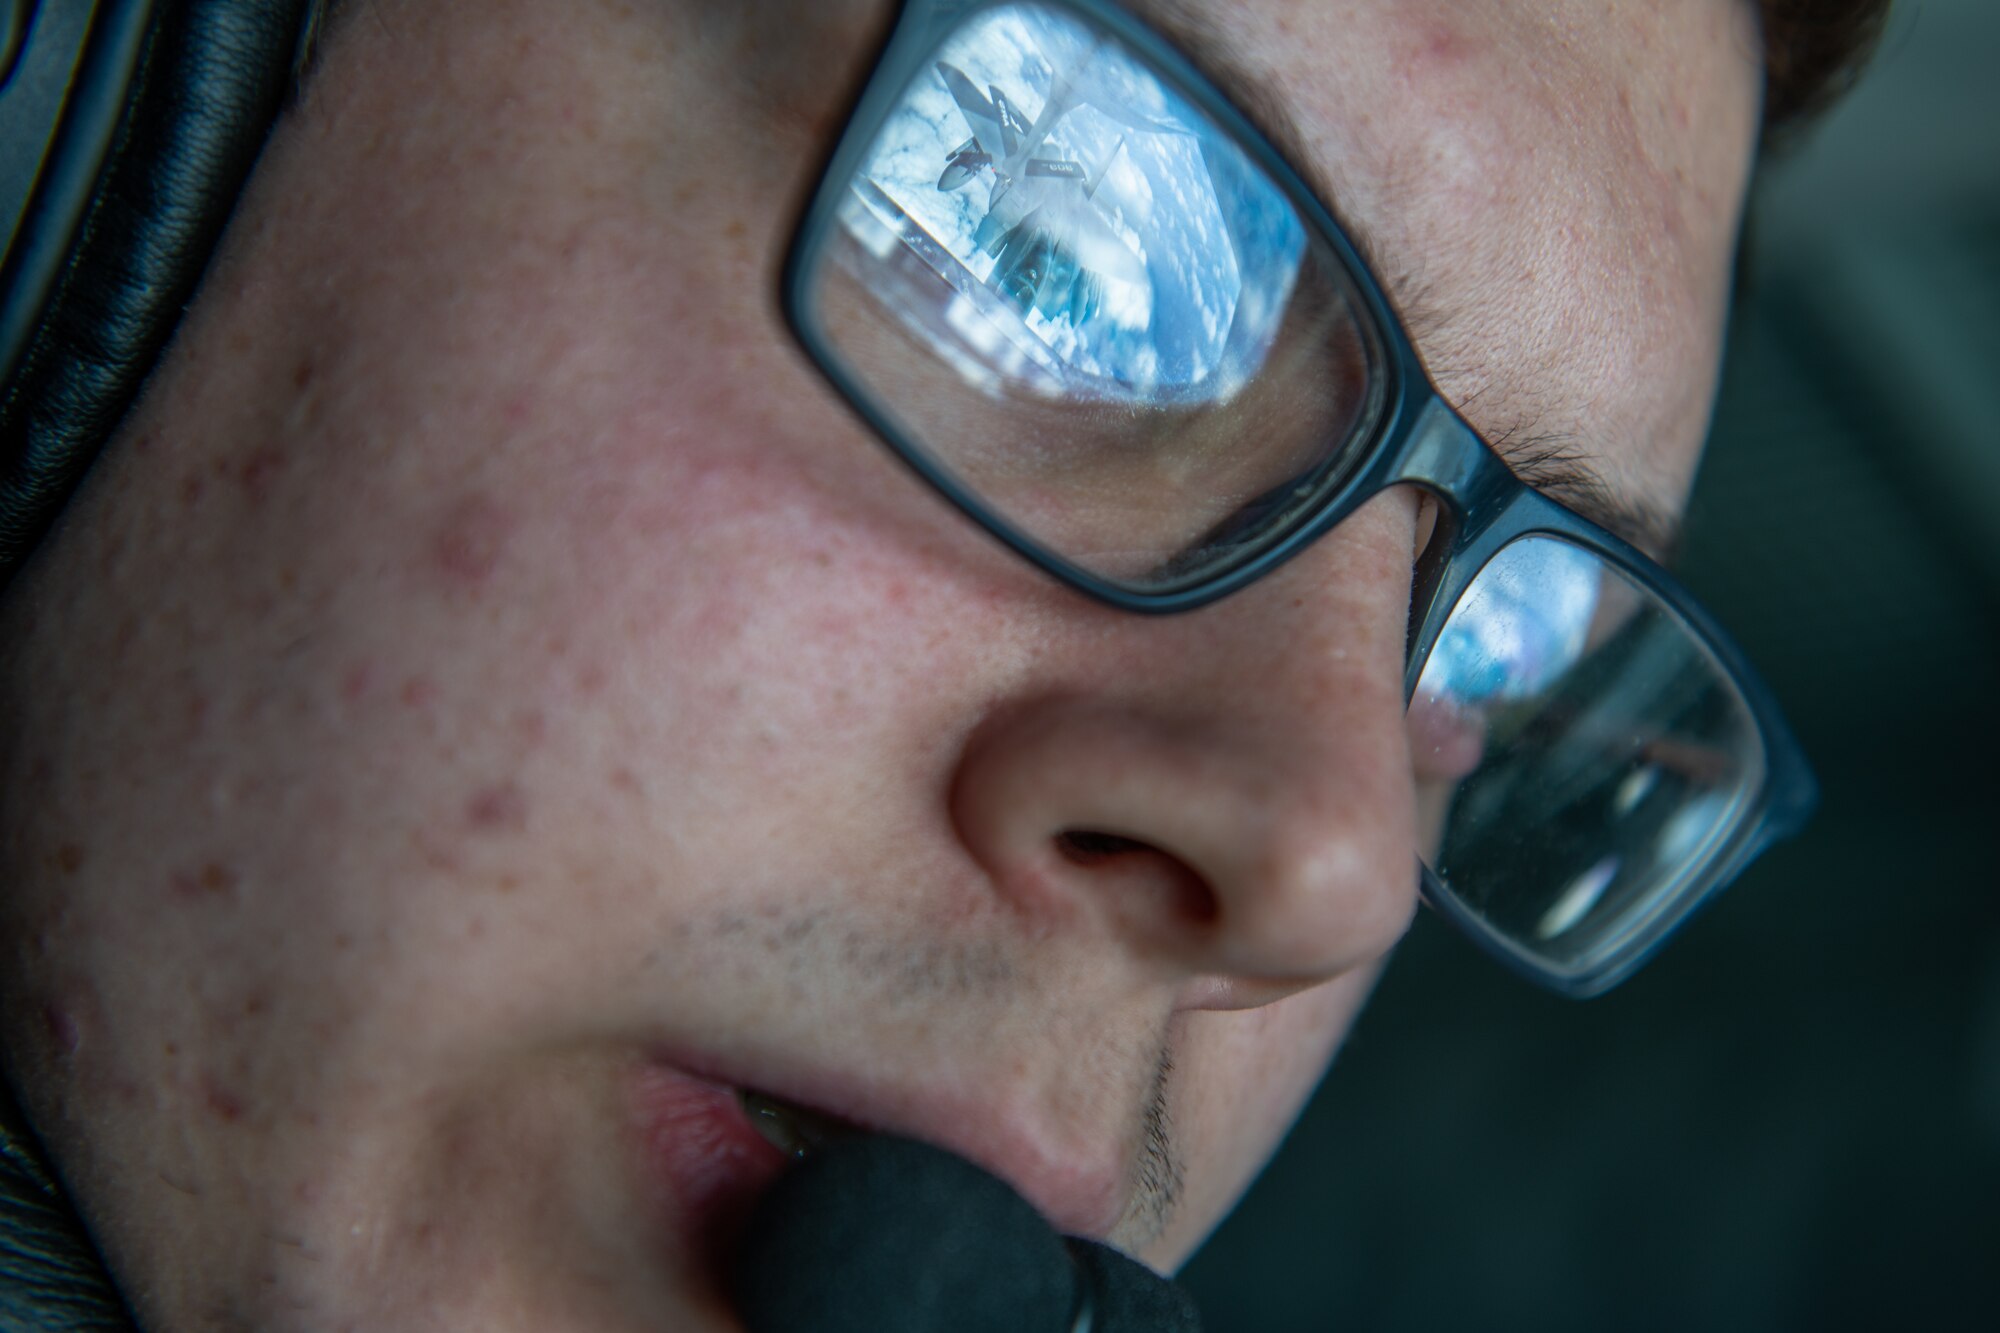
(1128, 1297)
(884, 1235)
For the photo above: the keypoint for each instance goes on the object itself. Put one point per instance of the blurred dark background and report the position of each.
(1791, 1120)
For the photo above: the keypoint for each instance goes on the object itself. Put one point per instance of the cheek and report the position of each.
(474, 576)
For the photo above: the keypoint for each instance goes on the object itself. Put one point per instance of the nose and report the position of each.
(1227, 796)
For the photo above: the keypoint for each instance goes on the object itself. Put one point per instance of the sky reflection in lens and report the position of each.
(1521, 625)
(1103, 241)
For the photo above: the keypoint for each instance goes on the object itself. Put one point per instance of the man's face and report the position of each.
(493, 702)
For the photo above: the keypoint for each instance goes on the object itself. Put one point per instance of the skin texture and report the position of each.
(491, 660)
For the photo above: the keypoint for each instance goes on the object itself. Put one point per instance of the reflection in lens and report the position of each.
(1617, 761)
(1520, 626)
(1088, 305)
(1067, 195)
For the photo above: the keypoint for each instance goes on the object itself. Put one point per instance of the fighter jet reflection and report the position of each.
(1052, 245)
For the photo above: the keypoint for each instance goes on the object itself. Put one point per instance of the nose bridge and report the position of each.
(1229, 794)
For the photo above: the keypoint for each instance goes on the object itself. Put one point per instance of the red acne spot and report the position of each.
(497, 809)
(221, 1102)
(302, 373)
(213, 880)
(1445, 45)
(625, 780)
(419, 692)
(259, 469)
(470, 542)
(69, 858)
(192, 486)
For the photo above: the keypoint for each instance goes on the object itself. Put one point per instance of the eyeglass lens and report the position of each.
(1582, 757)
(1088, 305)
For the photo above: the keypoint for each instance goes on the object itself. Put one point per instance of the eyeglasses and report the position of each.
(1083, 297)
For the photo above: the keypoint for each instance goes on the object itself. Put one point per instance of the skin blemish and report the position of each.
(213, 880)
(69, 858)
(260, 467)
(471, 541)
(501, 808)
(221, 1101)
(1444, 45)
(419, 692)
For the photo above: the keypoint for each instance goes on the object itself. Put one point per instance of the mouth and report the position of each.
(793, 1130)
(713, 1149)
(717, 1143)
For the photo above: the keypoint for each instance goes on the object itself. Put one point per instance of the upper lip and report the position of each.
(1078, 1182)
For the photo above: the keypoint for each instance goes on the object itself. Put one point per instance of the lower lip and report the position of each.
(710, 1163)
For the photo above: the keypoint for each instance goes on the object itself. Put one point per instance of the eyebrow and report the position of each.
(1557, 465)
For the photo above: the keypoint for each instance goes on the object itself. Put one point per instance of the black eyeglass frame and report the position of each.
(1417, 439)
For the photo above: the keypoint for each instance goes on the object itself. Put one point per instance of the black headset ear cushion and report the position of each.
(210, 81)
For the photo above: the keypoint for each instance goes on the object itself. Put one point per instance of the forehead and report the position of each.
(1550, 193)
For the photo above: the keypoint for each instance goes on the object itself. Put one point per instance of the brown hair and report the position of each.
(1813, 52)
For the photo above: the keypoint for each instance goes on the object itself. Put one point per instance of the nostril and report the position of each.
(1150, 880)
(1087, 847)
